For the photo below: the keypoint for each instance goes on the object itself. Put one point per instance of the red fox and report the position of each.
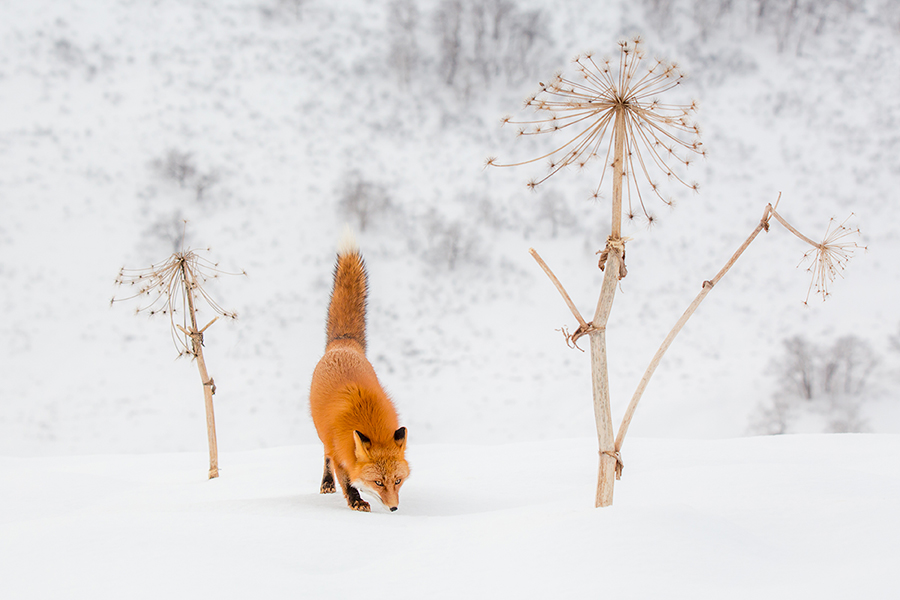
(354, 417)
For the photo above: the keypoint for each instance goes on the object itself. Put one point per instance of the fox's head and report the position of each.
(383, 469)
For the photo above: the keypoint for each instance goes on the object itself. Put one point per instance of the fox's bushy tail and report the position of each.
(347, 309)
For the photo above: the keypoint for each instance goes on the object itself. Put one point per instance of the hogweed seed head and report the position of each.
(172, 288)
(658, 136)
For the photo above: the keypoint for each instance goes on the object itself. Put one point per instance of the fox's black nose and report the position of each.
(393, 508)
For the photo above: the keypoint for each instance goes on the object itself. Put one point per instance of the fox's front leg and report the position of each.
(351, 494)
(327, 486)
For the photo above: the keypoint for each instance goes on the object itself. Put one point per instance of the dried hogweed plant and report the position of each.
(612, 111)
(175, 288)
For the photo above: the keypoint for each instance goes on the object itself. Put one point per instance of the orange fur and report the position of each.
(354, 417)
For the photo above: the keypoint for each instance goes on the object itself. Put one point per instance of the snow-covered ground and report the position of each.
(277, 105)
(778, 517)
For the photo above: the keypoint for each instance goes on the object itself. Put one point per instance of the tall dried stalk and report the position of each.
(173, 288)
(644, 133)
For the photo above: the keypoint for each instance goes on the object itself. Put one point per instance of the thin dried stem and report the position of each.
(559, 287)
(707, 287)
(209, 387)
(618, 173)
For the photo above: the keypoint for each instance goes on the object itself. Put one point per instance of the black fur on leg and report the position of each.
(327, 486)
(354, 500)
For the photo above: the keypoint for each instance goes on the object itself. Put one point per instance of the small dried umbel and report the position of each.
(829, 258)
(174, 288)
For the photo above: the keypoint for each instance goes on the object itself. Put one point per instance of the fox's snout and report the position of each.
(387, 496)
(392, 504)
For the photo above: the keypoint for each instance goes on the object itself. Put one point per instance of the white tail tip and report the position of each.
(348, 244)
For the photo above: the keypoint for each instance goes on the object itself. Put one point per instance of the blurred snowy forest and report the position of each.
(268, 124)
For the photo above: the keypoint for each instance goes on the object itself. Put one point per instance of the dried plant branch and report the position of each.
(559, 287)
(831, 256)
(584, 328)
(707, 287)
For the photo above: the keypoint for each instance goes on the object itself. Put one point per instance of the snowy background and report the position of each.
(258, 120)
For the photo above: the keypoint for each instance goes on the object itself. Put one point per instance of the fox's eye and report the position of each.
(379, 483)
(398, 482)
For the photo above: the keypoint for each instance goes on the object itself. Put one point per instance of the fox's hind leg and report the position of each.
(327, 479)
(354, 500)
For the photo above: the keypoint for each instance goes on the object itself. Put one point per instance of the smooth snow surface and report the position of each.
(785, 517)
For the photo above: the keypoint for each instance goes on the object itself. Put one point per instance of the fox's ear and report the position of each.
(400, 437)
(361, 445)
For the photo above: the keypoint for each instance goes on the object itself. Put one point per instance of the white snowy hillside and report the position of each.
(261, 122)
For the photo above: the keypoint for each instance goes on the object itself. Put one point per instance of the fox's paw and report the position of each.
(327, 487)
(360, 505)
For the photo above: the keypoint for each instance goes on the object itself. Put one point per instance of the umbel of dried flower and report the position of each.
(614, 113)
(173, 288)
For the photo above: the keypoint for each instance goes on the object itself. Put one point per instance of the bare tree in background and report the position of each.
(659, 13)
(203, 183)
(169, 229)
(181, 168)
(553, 209)
(481, 41)
(799, 368)
(403, 19)
(792, 23)
(293, 7)
(177, 166)
(826, 385)
(848, 366)
(448, 25)
(450, 243)
(362, 199)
